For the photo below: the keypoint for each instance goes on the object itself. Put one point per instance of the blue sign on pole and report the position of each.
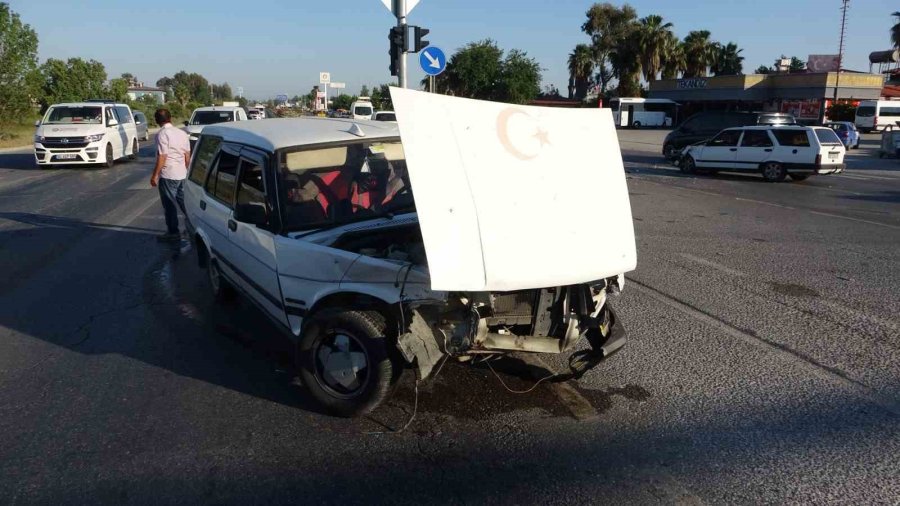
(432, 60)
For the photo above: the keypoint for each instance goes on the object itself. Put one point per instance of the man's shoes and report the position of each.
(169, 237)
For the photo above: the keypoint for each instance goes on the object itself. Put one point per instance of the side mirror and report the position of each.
(37, 123)
(187, 123)
(112, 123)
(254, 214)
(137, 122)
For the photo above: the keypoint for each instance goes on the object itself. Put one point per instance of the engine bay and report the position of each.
(402, 244)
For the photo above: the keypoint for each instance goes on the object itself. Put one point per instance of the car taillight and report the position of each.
(876, 121)
(818, 160)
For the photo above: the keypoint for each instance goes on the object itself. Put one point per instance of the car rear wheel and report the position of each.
(344, 361)
(773, 172)
(636, 124)
(218, 285)
(799, 177)
(109, 156)
(688, 165)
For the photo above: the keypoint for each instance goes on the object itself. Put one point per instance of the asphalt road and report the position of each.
(763, 364)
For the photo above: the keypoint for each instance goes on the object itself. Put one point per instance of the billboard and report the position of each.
(823, 62)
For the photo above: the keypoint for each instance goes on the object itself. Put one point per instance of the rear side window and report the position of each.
(206, 151)
(865, 111)
(726, 138)
(827, 136)
(124, 114)
(251, 189)
(221, 182)
(756, 139)
(889, 111)
(792, 137)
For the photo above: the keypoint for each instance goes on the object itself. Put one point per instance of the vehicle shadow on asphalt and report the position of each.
(25, 161)
(889, 197)
(233, 344)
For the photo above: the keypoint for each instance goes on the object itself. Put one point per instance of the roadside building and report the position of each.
(805, 95)
(137, 92)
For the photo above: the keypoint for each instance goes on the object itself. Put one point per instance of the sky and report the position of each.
(270, 47)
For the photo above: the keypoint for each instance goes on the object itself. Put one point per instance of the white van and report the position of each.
(362, 109)
(877, 114)
(203, 116)
(81, 133)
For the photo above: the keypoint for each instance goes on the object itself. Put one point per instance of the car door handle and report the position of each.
(232, 225)
(203, 205)
(732, 149)
(768, 150)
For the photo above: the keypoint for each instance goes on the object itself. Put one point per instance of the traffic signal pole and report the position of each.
(400, 12)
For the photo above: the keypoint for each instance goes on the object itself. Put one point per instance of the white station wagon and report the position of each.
(314, 220)
(774, 151)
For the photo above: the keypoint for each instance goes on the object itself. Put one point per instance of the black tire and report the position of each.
(688, 165)
(343, 337)
(636, 124)
(669, 151)
(219, 287)
(109, 156)
(773, 172)
(799, 177)
(134, 149)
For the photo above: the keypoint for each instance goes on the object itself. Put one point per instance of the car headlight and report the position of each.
(93, 138)
(39, 138)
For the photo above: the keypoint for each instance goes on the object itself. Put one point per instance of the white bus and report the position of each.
(643, 112)
(877, 114)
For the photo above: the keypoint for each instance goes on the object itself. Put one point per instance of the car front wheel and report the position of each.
(688, 165)
(344, 361)
(773, 172)
(134, 150)
(218, 285)
(109, 156)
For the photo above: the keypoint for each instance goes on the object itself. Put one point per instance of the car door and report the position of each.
(216, 208)
(250, 233)
(114, 132)
(794, 148)
(720, 151)
(755, 148)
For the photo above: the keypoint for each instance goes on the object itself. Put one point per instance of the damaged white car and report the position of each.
(512, 241)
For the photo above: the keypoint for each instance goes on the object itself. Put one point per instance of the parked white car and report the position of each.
(83, 133)
(774, 151)
(385, 116)
(203, 116)
(362, 108)
(315, 221)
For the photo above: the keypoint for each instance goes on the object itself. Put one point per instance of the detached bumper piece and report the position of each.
(606, 336)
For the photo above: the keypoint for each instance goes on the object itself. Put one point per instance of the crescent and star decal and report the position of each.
(503, 134)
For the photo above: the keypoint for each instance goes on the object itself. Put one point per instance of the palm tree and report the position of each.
(699, 53)
(673, 61)
(581, 67)
(625, 60)
(729, 61)
(895, 31)
(653, 36)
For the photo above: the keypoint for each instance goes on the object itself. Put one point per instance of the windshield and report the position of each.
(386, 117)
(838, 127)
(827, 136)
(67, 114)
(327, 187)
(363, 111)
(211, 117)
(865, 112)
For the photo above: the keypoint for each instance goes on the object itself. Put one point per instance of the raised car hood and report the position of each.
(512, 197)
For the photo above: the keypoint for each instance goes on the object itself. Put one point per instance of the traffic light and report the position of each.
(399, 44)
(419, 43)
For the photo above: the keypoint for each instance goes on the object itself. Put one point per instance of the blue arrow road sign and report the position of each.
(432, 60)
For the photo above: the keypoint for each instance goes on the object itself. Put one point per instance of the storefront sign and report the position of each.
(802, 109)
(690, 84)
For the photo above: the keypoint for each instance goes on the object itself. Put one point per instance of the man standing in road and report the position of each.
(173, 155)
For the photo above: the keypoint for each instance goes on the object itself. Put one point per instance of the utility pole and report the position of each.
(837, 81)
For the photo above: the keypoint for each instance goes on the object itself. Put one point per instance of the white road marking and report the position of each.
(797, 358)
(714, 265)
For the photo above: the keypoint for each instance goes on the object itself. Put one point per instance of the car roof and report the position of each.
(88, 104)
(278, 133)
(769, 127)
(218, 108)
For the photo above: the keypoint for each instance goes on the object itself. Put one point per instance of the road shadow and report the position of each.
(25, 161)
(889, 197)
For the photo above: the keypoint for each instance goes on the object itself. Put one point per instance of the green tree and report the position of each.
(700, 53)
(653, 40)
(221, 92)
(72, 80)
(673, 61)
(797, 65)
(474, 70)
(118, 90)
(188, 87)
(520, 78)
(364, 92)
(625, 61)
(581, 68)
(729, 61)
(18, 61)
(895, 30)
(608, 26)
(381, 97)
(762, 69)
(342, 101)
